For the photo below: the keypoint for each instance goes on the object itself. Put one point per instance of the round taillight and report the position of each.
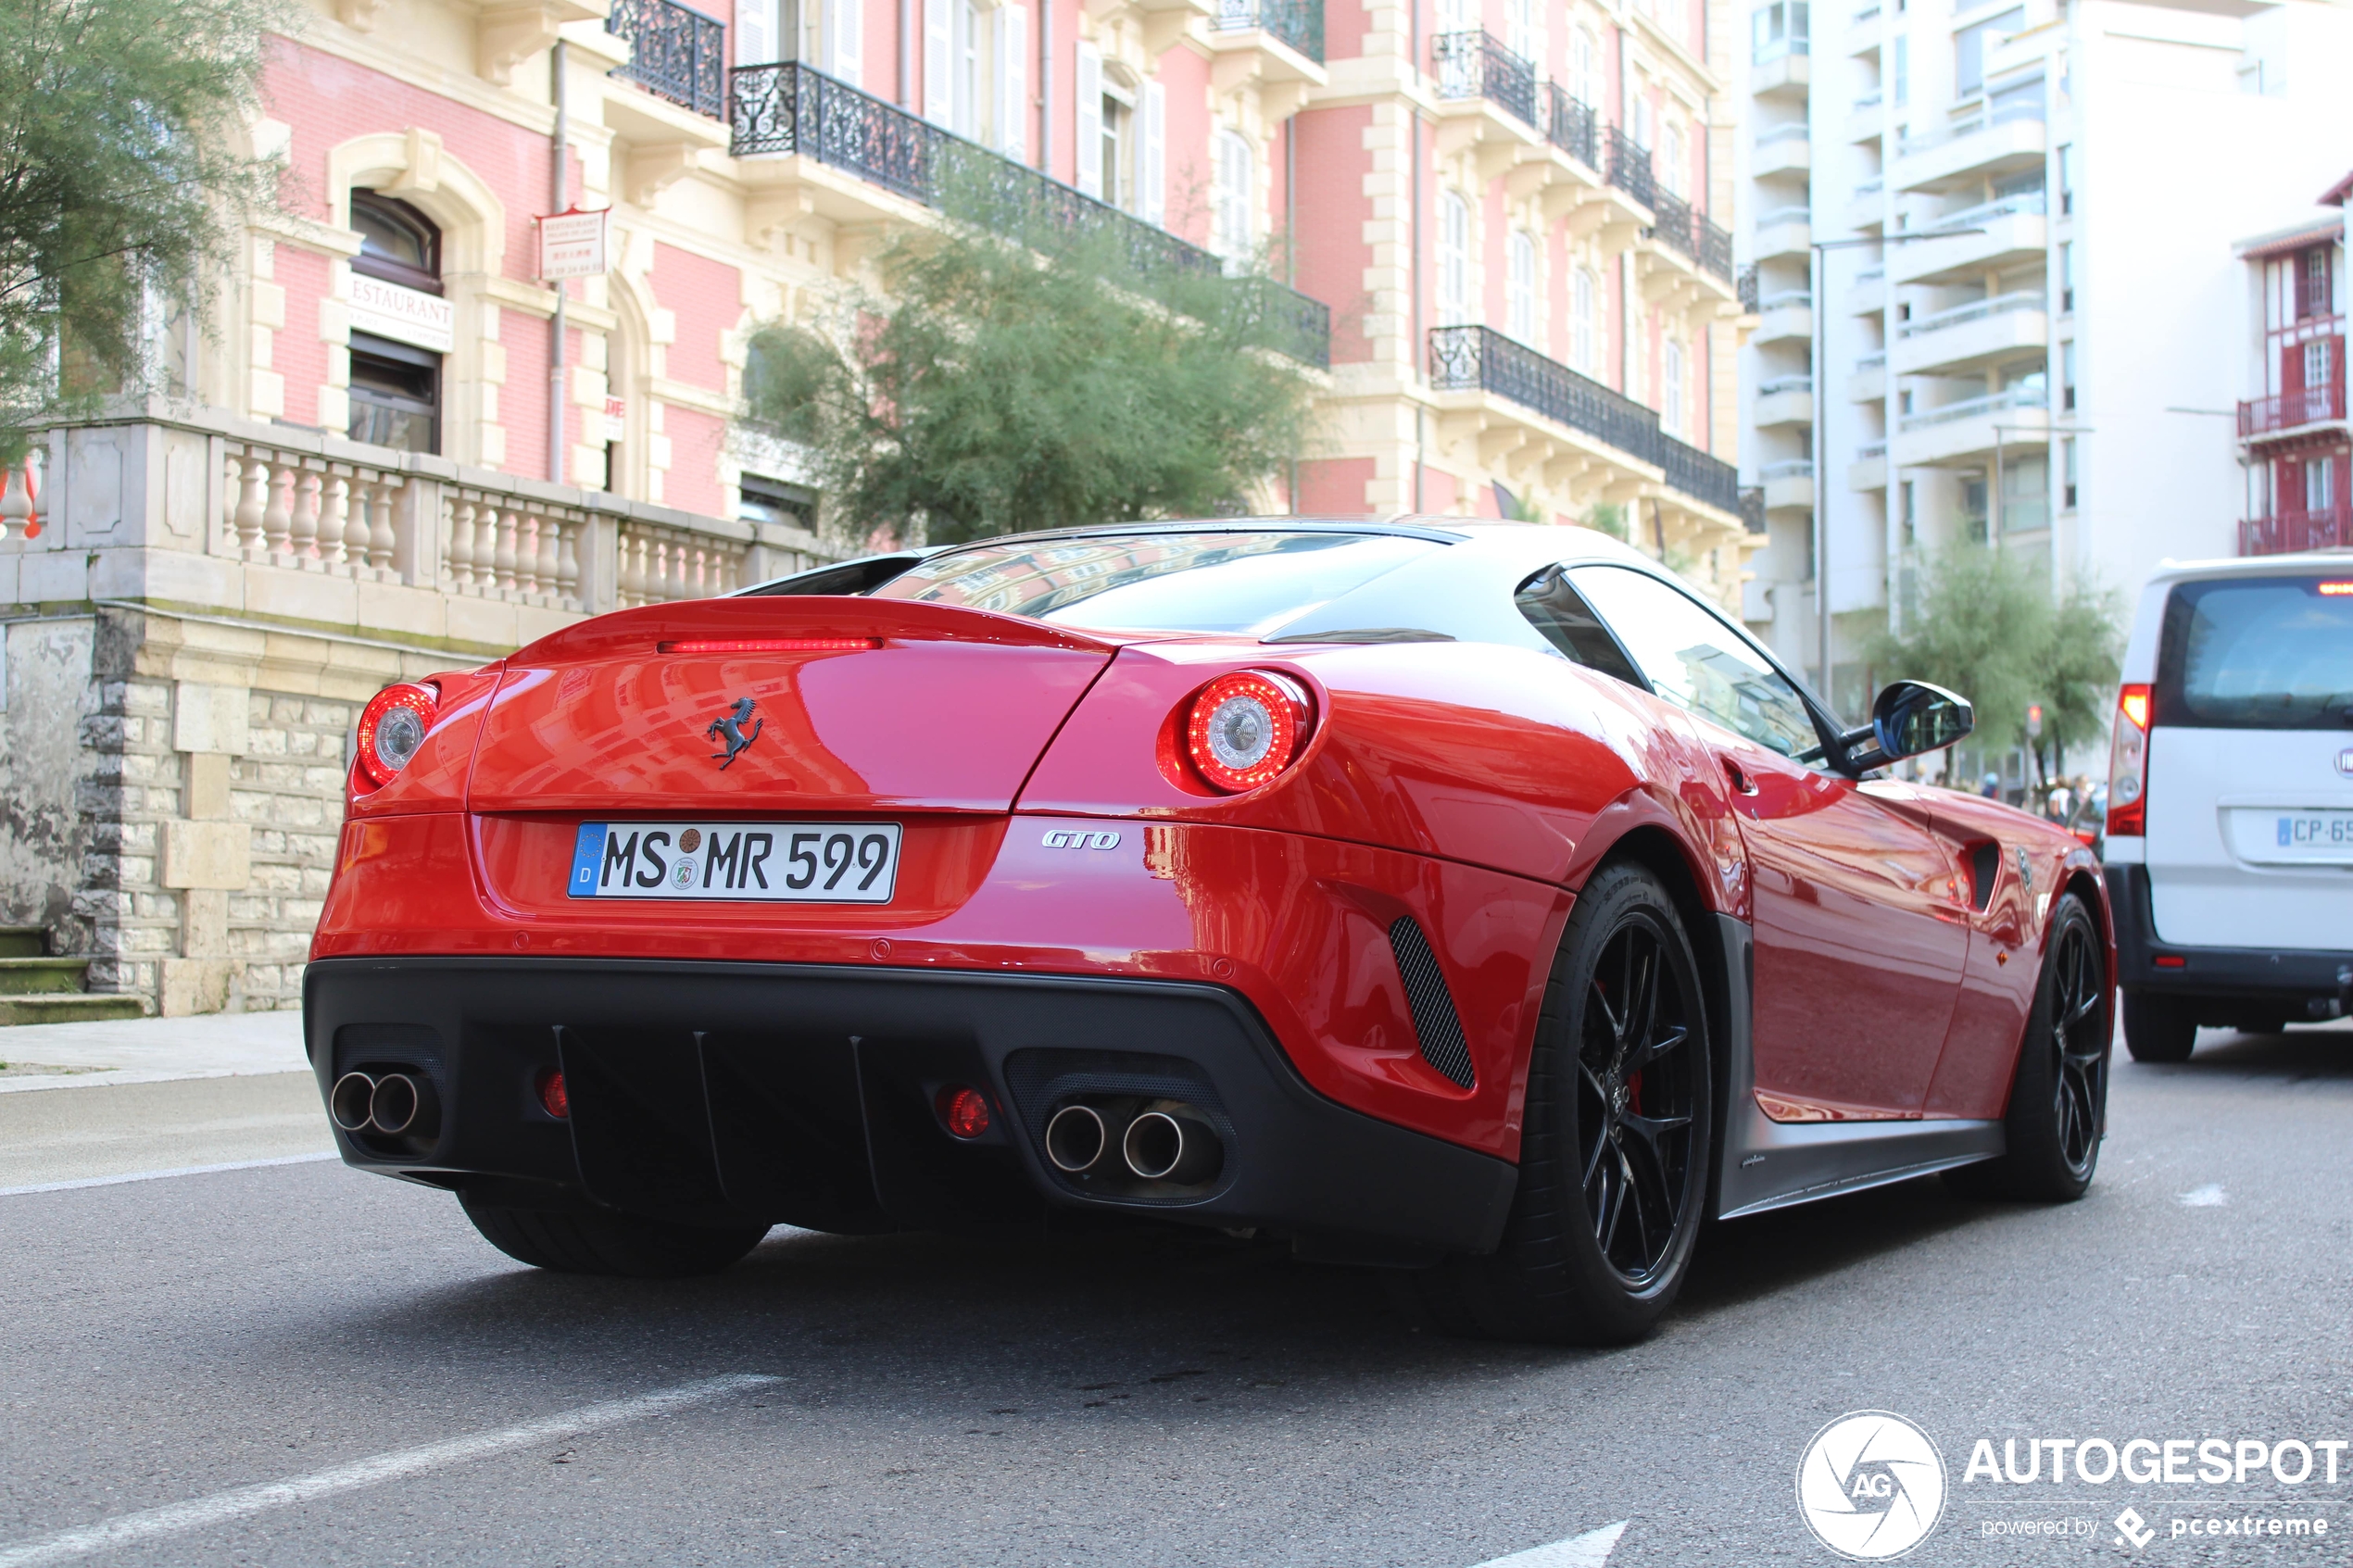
(552, 1097)
(1245, 728)
(964, 1110)
(392, 726)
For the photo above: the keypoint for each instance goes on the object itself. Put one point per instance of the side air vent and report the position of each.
(1984, 866)
(1436, 1026)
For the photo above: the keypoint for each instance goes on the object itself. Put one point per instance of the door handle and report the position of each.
(1742, 783)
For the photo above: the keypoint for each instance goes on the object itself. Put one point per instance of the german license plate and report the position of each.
(763, 862)
(2314, 833)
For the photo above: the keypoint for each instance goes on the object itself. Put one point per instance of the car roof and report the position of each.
(2322, 561)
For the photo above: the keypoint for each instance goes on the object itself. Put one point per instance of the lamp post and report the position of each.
(1817, 279)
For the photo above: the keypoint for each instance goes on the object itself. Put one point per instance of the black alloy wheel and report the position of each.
(2059, 1097)
(1615, 1141)
(1635, 1100)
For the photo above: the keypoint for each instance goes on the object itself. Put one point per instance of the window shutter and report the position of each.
(939, 78)
(845, 45)
(1088, 86)
(754, 46)
(1012, 81)
(1152, 173)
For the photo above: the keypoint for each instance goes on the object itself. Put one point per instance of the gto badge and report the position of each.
(1072, 838)
(729, 730)
(2025, 870)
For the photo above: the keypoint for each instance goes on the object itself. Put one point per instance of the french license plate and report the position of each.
(765, 862)
(2322, 832)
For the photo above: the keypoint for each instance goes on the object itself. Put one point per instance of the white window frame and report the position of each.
(1453, 260)
(1232, 226)
(845, 40)
(1520, 314)
(1087, 87)
(1672, 391)
(1585, 290)
(1150, 154)
(1010, 25)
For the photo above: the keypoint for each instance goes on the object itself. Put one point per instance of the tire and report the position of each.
(595, 1242)
(1616, 1141)
(2059, 1097)
(2159, 1028)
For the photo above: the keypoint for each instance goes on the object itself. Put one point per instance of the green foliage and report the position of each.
(122, 185)
(1986, 625)
(1609, 517)
(1036, 363)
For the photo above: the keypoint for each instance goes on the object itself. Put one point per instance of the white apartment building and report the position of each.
(2062, 371)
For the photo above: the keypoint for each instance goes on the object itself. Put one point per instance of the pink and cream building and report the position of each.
(387, 446)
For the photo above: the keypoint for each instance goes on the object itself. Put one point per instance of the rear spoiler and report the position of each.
(800, 616)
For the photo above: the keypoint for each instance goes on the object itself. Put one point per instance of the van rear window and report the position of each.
(2266, 653)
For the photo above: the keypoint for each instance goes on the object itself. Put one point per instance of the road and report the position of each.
(1149, 1399)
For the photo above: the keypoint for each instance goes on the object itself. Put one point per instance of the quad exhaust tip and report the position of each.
(1161, 1140)
(396, 1105)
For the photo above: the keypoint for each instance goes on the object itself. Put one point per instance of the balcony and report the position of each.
(1972, 426)
(1784, 233)
(2260, 418)
(1867, 120)
(1972, 336)
(1753, 518)
(1868, 471)
(1785, 76)
(1866, 207)
(1481, 359)
(2013, 233)
(1785, 150)
(1571, 126)
(1786, 315)
(1787, 484)
(1785, 400)
(1296, 24)
(675, 53)
(1745, 289)
(1976, 146)
(1476, 65)
(1869, 383)
(1630, 168)
(1867, 295)
(788, 110)
(2289, 529)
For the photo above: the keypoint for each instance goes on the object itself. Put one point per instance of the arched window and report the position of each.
(1229, 237)
(1453, 261)
(395, 370)
(1520, 288)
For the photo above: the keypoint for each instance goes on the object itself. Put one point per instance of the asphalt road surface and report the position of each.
(293, 1365)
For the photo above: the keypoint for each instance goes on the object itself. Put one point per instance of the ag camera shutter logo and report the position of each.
(1872, 1486)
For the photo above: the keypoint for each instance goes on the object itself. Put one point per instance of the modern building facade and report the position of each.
(389, 445)
(2001, 234)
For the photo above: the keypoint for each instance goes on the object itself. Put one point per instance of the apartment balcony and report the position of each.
(1490, 93)
(2296, 528)
(1869, 383)
(1867, 206)
(1972, 336)
(1979, 146)
(1297, 25)
(798, 132)
(1531, 134)
(1867, 295)
(1866, 119)
(1276, 44)
(2018, 420)
(1784, 317)
(1753, 514)
(2292, 413)
(675, 53)
(1785, 400)
(1785, 151)
(1788, 76)
(1785, 232)
(1788, 485)
(2013, 233)
(1868, 471)
(1520, 404)
(1745, 289)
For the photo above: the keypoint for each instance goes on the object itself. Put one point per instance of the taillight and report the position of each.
(553, 1097)
(2128, 768)
(962, 1109)
(392, 726)
(1245, 728)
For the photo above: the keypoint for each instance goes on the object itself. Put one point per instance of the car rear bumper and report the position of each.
(803, 1093)
(2302, 983)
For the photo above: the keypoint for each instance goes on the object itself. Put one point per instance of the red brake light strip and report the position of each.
(775, 645)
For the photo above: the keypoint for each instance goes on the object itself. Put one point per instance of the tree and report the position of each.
(1032, 364)
(1987, 626)
(122, 185)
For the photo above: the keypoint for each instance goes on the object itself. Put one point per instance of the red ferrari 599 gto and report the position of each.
(1462, 899)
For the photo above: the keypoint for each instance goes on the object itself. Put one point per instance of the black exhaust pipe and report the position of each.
(348, 1101)
(1076, 1138)
(1170, 1143)
(404, 1107)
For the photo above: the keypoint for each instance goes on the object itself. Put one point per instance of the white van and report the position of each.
(2229, 803)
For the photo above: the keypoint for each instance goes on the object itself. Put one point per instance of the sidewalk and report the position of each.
(150, 1050)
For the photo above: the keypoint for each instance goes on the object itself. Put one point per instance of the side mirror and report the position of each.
(1909, 719)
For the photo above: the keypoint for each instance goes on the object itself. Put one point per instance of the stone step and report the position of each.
(43, 977)
(23, 941)
(68, 1006)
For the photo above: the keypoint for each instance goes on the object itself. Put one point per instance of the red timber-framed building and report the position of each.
(2293, 436)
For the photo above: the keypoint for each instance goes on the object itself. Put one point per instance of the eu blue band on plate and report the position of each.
(588, 857)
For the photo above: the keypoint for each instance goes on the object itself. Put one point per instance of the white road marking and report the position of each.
(238, 1503)
(159, 1175)
(2210, 1196)
(1588, 1551)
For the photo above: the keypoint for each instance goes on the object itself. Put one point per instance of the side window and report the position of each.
(1557, 611)
(1693, 659)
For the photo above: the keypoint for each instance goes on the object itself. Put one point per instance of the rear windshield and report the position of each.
(1242, 582)
(2267, 653)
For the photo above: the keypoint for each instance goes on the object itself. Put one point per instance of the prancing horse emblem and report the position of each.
(730, 730)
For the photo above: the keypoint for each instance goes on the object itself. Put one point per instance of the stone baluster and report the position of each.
(302, 533)
(568, 566)
(277, 518)
(251, 477)
(381, 540)
(526, 555)
(675, 585)
(15, 506)
(461, 558)
(506, 521)
(550, 559)
(633, 579)
(355, 524)
(334, 516)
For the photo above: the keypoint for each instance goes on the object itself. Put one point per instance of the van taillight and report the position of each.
(2128, 768)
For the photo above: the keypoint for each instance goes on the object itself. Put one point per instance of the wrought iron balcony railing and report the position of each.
(788, 108)
(1571, 126)
(1753, 510)
(1674, 226)
(1745, 287)
(1299, 23)
(1478, 65)
(2286, 410)
(2290, 529)
(675, 52)
(1629, 166)
(1714, 248)
(1481, 358)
